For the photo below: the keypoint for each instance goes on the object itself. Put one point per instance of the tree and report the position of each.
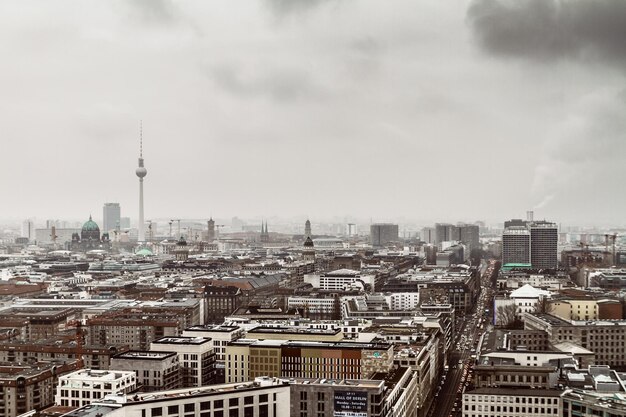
(544, 306)
(506, 316)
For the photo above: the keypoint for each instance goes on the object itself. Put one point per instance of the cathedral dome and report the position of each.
(308, 243)
(90, 230)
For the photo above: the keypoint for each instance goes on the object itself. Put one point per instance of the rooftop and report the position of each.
(182, 340)
(145, 354)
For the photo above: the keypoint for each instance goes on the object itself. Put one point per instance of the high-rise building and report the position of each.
(141, 172)
(111, 217)
(428, 235)
(516, 245)
(544, 237)
(469, 236)
(445, 232)
(28, 229)
(383, 233)
(211, 230)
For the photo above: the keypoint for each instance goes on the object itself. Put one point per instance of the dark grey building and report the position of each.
(383, 233)
(544, 237)
(516, 245)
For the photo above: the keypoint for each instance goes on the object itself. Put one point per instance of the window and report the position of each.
(190, 408)
(218, 404)
(233, 402)
(205, 405)
(263, 398)
(172, 409)
(248, 400)
(156, 412)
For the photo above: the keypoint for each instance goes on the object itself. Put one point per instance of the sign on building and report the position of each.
(350, 404)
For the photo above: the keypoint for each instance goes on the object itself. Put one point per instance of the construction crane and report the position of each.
(172, 221)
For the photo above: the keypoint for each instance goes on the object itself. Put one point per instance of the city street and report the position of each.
(458, 377)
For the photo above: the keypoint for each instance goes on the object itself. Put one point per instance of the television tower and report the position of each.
(141, 172)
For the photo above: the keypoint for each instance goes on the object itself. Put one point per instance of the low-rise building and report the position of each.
(155, 371)
(248, 359)
(514, 402)
(86, 386)
(196, 357)
(264, 397)
(30, 387)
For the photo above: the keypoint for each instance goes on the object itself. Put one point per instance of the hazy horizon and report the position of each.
(439, 111)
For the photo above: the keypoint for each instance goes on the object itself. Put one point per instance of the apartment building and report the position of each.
(512, 402)
(86, 386)
(248, 358)
(606, 338)
(196, 357)
(263, 397)
(154, 370)
(31, 387)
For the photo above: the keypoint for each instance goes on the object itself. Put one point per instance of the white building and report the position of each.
(196, 357)
(403, 300)
(268, 397)
(314, 305)
(86, 386)
(340, 279)
(512, 402)
(525, 300)
(220, 335)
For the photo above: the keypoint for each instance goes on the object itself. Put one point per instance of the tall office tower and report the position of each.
(28, 229)
(516, 245)
(445, 232)
(469, 235)
(141, 172)
(351, 229)
(383, 233)
(210, 237)
(544, 238)
(111, 217)
(307, 228)
(428, 235)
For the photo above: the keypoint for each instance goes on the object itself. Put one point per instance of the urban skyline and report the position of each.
(319, 84)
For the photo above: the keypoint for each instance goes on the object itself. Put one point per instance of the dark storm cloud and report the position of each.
(551, 29)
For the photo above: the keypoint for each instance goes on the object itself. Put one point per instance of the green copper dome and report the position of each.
(90, 230)
(90, 225)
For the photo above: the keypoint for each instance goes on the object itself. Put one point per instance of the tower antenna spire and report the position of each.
(141, 138)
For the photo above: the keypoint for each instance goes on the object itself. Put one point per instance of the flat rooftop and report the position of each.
(145, 354)
(213, 328)
(93, 410)
(182, 340)
(294, 330)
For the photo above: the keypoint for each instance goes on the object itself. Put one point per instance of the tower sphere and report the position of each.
(141, 172)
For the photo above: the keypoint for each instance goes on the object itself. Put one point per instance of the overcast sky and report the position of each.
(439, 110)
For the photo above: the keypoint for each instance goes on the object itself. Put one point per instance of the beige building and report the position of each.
(605, 338)
(247, 359)
(586, 309)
